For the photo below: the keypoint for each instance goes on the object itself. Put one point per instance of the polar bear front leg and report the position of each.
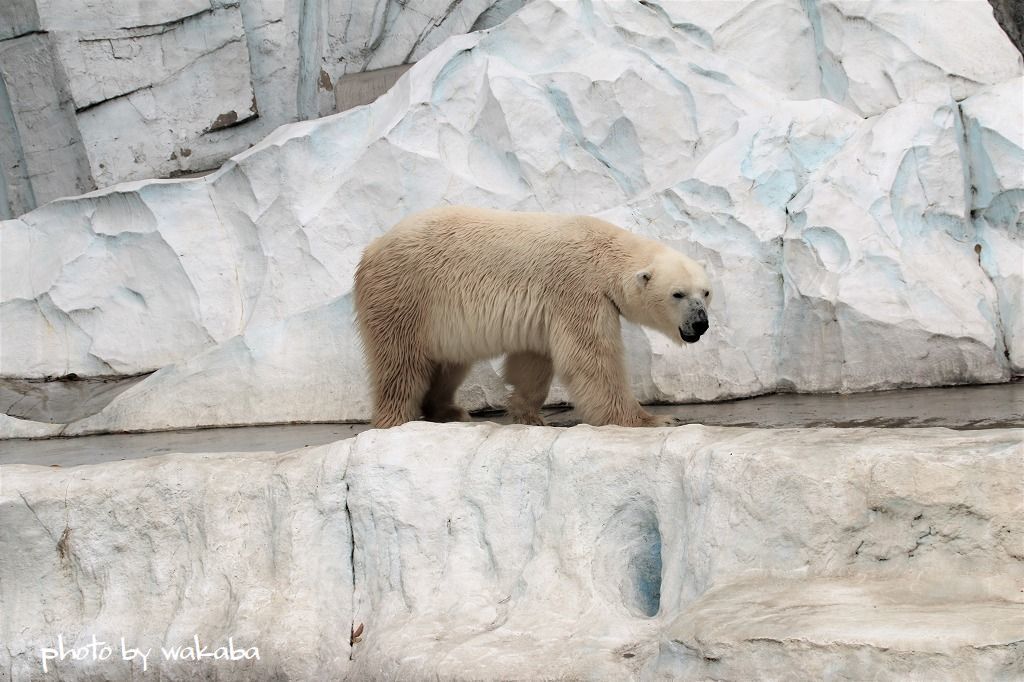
(530, 375)
(588, 356)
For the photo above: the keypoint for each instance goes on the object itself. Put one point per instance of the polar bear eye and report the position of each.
(679, 294)
(706, 294)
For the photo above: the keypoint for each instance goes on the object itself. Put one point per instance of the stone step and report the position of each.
(478, 551)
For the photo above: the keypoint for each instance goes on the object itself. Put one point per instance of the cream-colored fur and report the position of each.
(451, 286)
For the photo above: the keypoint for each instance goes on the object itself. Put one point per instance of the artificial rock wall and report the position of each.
(849, 173)
(98, 93)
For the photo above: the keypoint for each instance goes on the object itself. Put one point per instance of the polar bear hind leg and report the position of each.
(439, 401)
(530, 375)
(400, 378)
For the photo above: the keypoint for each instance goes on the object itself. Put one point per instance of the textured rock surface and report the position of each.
(251, 546)
(12, 427)
(42, 155)
(994, 139)
(865, 240)
(370, 36)
(488, 552)
(137, 90)
(1010, 15)
(147, 96)
(868, 56)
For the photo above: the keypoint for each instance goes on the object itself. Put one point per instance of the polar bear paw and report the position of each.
(656, 420)
(446, 413)
(528, 418)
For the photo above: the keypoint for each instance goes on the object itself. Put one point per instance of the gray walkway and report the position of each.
(969, 407)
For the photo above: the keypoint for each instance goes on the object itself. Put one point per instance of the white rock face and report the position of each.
(146, 97)
(842, 233)
(375, 35)
(517, 542)
(867, 56)
(994, 140)
(486, 552)
(12, 427)
(41, 150)
(252, 546)
(852, 262)
(133, 90)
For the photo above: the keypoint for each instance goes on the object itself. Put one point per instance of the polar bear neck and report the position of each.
(622, 256)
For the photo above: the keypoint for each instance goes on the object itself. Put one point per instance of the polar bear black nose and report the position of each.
(700, 325)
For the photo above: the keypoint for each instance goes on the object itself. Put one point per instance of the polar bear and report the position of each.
(450, 286)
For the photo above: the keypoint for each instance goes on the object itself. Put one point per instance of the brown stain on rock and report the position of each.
(325, 81)
(224, 120)
(62, 544)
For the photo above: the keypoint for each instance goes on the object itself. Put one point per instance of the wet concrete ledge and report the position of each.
(961, 408)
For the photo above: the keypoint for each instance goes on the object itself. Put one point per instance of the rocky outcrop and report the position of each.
(104, 92)
(487, 552)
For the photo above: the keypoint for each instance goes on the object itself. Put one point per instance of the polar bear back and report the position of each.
(483, 283)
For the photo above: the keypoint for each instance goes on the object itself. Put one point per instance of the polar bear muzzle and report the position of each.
(695, 325)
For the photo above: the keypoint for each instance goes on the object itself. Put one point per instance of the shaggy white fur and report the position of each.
(450, 286)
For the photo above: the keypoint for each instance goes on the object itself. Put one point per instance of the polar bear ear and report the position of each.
(643, 277)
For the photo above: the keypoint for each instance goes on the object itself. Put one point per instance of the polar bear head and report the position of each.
(670, 295)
